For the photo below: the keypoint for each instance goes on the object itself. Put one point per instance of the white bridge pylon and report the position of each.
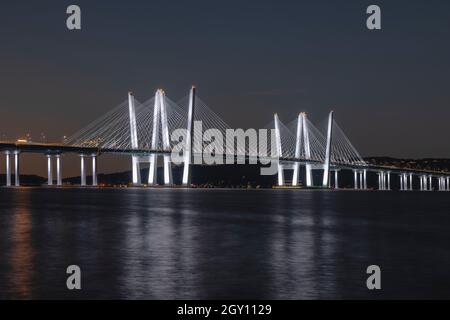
(160, 139)
(317, 151)
(302, 148)
(160, 123)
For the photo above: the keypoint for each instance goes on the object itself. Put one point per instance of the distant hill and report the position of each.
(25, 179)
(424, 164)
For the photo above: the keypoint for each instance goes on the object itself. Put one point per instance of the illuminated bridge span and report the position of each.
(145, 132)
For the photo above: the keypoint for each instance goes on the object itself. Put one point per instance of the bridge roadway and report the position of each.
(56, 148)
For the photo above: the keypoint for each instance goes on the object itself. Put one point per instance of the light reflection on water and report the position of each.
(220, 244)
(21, 254)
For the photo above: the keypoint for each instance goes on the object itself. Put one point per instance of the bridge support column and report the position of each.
(430, 183)
(58, 170)
(309, 176)
(411, 186)
(336, 179)
(448, 183)
(279, 150)
(17, 168)
(421, 183)
(188, 152)
(160, 117)
(355, 178)
(361, 180)
(136, 172)
(402, 183)
(152, 169)
(280, 175)
(295, 174)
(94, 170)
(365, 179)
(8, 168)
(298, 145)
(307, 149)
(381, 181)
(83, 170)
(326, 170)
(167, 170)
(388, 180)
(49, 170)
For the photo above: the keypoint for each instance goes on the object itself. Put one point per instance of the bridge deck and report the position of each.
(55, 148)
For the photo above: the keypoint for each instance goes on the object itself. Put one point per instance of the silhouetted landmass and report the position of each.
(423, 164)
(25, 179)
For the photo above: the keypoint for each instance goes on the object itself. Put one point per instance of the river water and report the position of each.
(223, 244)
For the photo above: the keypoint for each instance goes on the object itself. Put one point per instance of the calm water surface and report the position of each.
(215, 244)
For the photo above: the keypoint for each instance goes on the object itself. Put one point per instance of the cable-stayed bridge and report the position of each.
(162, 128)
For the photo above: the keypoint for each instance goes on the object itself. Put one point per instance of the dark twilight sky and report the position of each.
(390, 88)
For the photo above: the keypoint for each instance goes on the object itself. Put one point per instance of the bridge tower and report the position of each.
(188, 153)
(298, 145)
(326, 167)
(134, 140)
(160, 119)
(302, 141)
(279, 150)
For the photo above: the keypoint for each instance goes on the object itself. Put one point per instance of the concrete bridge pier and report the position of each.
(384, 180)
(17, 168)
(8, 168)
(94, 170)
(444, 184)
(402, 182)
(388, 180)
(83, 170)
(280, 175)
(381, 181)
(49, 170)
(365, 179)
(360, 179)
(424, 180)
(336, 179)
(58, 170)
